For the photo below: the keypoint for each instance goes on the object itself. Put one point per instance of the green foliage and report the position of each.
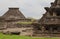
(23, 37)
(24, 22)
(29, 22)
(32, 19)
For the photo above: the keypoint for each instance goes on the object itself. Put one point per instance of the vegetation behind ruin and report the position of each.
(24, 23)
(32, 21)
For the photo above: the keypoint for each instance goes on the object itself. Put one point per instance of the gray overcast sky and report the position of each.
(30, 8)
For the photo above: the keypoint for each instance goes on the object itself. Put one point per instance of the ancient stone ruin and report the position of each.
(14, 22)
(50, 22)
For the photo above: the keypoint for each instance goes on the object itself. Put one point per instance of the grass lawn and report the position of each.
(22, 37)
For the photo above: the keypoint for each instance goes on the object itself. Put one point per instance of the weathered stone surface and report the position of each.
(13, 13)
(9, 23)
(47, 26)
(50, 22)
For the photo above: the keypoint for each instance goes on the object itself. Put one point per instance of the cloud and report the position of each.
(30, 8)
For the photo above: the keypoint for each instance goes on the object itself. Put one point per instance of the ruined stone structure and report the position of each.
(50, 22)
(9, 23)
(48, 25)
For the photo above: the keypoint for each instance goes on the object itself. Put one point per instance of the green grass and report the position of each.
(24, 22)
(23, 37)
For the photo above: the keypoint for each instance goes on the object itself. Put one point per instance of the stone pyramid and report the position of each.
(14, 13)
